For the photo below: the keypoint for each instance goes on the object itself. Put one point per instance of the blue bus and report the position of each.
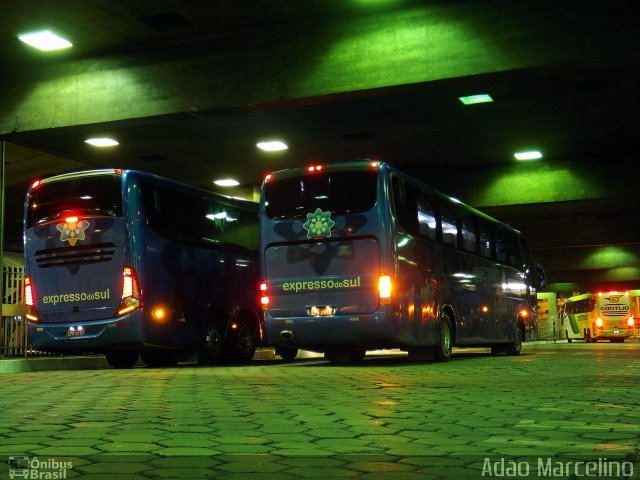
(133, 265)
(358, 256)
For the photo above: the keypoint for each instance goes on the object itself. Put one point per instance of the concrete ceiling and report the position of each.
(189, 87)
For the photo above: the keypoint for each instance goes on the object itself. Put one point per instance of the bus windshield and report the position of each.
(89, 195)
(337, 192)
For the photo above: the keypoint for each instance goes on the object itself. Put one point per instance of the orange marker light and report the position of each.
(384, 287)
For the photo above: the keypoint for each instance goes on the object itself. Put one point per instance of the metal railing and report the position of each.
(14, 338)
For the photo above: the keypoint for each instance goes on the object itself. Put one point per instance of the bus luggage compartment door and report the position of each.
(339, 274)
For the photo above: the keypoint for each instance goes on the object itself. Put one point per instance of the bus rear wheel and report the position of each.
(516, 347)
(121, 358)
(445, 343)
(242, 341)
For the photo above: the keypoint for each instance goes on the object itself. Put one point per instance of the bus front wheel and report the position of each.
(445, 344)
(121, 358)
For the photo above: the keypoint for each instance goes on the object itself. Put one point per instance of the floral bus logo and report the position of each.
(72, 230)
(318, 224)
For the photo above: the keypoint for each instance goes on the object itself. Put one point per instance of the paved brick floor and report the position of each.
(385, 418)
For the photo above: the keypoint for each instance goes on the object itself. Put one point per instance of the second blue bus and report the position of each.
(359, 256)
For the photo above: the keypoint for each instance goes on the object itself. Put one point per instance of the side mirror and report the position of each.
(538, 277)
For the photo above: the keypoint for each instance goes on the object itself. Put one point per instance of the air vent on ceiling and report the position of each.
(590, 85)
(165, 22)
(358, 136)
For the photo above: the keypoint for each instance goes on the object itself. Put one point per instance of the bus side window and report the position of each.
(468, 234)
(501, 247)
(405, 205)
(448, 222)
(426, 216)
(486, 243)
(513, 247)
(230, 226)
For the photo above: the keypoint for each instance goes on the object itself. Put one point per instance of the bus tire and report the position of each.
(210, 346)
(241, 342)
(121, 358)
(445, 339)
(516, 347)
(287, 354)
(569, 339)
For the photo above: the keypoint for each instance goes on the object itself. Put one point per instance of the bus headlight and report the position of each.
(631, 321)
(599, 322)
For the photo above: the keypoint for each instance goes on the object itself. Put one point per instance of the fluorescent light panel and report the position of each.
(45, 40)
(474, 99)
(102, 142)
(529, 155)
(272, 146)
(226, 182)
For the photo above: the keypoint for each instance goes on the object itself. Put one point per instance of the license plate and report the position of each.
(75, 331)
(324, 311)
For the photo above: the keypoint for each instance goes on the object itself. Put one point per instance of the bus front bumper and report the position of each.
(318, 333)
(96, 335)
(614, 333)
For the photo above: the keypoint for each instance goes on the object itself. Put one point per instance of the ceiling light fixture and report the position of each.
(226, 182)
(102, 142)
(45, 40)
(529, 155)
(474, 99)
(272, 146)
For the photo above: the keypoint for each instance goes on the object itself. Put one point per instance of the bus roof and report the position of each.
(582, 296)
(365, 164)
(120, 172)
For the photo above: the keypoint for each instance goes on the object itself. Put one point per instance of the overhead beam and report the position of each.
(315, 59)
